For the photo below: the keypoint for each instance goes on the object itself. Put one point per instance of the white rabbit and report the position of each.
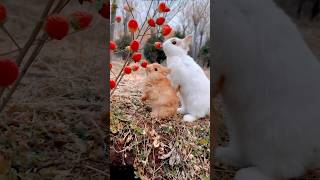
(271, 91)
(186, 73)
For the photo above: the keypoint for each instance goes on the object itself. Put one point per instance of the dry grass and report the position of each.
(158, 149)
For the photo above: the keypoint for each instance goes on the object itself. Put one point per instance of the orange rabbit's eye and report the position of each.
(156, 69)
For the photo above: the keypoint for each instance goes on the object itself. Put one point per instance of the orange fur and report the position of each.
(159, 92)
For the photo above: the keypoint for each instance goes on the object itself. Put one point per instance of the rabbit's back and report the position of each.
(195, 86)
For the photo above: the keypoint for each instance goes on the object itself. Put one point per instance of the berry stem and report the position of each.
(32, 38)
(23, 71)
(127, 60)
(61, 4)
(35, 43)
(4, 29)
(146, 19)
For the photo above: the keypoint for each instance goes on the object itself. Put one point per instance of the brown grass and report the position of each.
(158, 149)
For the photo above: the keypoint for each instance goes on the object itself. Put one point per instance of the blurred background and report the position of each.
(186, 17)
(306, 15)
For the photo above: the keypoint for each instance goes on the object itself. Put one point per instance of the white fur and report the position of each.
(194, 85)
(271, 91)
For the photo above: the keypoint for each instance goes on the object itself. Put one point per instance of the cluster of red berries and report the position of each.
(9, 70)
(133, 26)
(136, 57)
(3, 14)
(57, 26)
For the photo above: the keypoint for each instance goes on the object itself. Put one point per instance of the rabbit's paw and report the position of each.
(189, 118)
(154, 114)
(229, 156)
(181, 110)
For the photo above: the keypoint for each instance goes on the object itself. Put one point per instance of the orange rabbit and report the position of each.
(159, 92)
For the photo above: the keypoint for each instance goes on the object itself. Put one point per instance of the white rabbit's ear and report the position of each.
(167, 70)
(186, 42)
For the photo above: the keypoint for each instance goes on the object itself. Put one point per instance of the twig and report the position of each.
(4, 29)
(23, 72)
(145, 20)
(127, 63)
(32, 38)
(36, 51)
(35, 32)
(130, 9)
(37, 41)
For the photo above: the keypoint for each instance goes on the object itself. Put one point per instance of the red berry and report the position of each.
(110, 66)
(151, 22)
(133, 25)
(162, 6)
(134, 45)
(118, 19)
(160, 20)
(57, 26)
(167, 10)
(105, 10)
(136, 57)
(135, 67)
(112, 84)
(157, 45)
(144, 64)
(81, 20)
(127, 70)
(112, 45)
(166, 30)
(3, 14)
(9, 72)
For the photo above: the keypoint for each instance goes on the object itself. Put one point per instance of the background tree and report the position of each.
(114, 7)
(151, 53)
(198, 12)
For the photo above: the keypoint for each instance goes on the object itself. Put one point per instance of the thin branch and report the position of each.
(130, 9)
(23, 72)
(35, 32)
(43, 40)
(32, 38)
(37, 41)
(145, 20)
(4, 29)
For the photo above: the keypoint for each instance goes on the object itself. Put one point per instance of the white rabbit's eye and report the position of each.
(156, 69)
(174, 42)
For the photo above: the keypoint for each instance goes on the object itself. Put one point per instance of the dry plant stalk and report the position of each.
(141, 34)
(31, 41)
